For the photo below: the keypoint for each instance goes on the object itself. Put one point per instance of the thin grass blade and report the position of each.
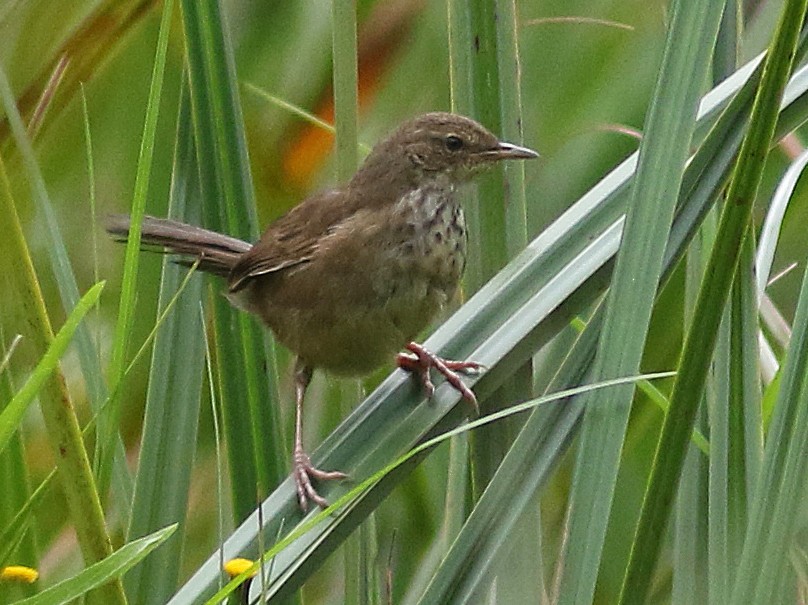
(12, 413)
(168, 443)
(113, 567)
(700, 341)
(668, 131)
(108, 421)
(64, 435)
(247, 372)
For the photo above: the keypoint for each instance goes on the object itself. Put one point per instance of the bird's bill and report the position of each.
(509, 151)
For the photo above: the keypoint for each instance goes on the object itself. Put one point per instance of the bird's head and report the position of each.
(450, 144)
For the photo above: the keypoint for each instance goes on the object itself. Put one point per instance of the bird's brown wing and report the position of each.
(292, 240)
(260, 267)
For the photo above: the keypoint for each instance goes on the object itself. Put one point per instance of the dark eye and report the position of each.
(454, 143)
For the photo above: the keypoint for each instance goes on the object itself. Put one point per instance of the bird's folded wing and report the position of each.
(290, 241)
(243, 272)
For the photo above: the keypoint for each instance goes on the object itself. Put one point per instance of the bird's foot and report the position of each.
(421, 360)
(304, 472)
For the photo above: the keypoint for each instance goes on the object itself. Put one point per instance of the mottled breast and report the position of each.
(427, 255)
(435, 235)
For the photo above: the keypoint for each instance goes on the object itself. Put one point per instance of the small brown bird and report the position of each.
(351, 275)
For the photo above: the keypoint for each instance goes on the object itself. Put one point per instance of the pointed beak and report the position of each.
(508, 151)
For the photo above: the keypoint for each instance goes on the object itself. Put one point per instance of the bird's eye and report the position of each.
(454, 143)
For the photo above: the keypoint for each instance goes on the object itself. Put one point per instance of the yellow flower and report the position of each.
(236, 567)
(19, 573)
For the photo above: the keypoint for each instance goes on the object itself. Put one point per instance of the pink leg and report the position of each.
(303, 470)
(422, 360)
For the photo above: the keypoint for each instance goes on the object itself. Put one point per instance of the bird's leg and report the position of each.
(303, 470)
(421, 360)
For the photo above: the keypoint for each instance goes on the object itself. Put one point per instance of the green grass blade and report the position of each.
(295, 110)
(718, 400)
(8, 351)
(21, 520)
(13, 412)
(168, 443)
(65, 281)
(690, 531)
(728, 42)
(690, 527)
(543, 439)
(244, 354)
(770, 231)
(345, 76)
(668, 130)
(108, 422)
(510, 73)
(486, 223)
(779, 491)
(349, 499)
(114, 566)
(735, 417)
(484, 37)
(64, 435)
(457, 485)
(697, 353)
(57, 251)
(19, 542)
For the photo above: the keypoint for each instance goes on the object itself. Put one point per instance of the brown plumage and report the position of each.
(351, 275)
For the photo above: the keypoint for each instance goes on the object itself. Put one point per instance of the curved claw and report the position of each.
(422, 360)
(304, 472)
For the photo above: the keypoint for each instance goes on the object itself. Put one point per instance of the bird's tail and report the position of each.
(217, 253)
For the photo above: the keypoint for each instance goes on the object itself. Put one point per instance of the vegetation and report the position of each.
(644, 422)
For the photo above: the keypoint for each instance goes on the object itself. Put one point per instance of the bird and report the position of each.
(350, 276)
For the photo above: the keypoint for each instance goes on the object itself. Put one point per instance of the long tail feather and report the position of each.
(217, 253)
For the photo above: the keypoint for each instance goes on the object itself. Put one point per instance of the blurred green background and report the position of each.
(585, 87)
